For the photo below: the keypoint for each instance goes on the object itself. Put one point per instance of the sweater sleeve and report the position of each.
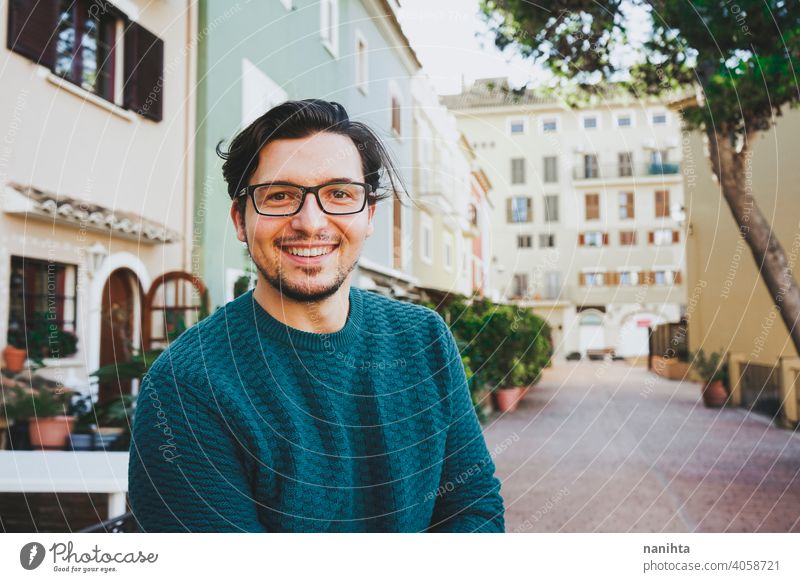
(469, 499)
(186, 472)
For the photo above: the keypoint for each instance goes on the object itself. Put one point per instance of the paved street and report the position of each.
(604, 446)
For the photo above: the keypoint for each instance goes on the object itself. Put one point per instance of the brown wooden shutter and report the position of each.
(678, 277)
(582, 279)
(31, 29)
(529, 204)
(605, 239)
(676, 236)
(651, 238)
(144, 72)
(509, 217)
(581, 240)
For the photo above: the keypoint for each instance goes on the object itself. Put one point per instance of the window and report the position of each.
(592, 279)
(396, 121)
(551, 208)
(590, 122)
(549, 125)
(624, 120)
(259, 93)
(550, 169)
(547, 241)
(593, 238)
(625, 164)
(516, 126)
(658, 157)
(625, 205)
(659, 118)
(628, 278)
(448, 251)
(627, 238)
(287, 4)
(663, 277)
(76, 40)
(329, 25)
(592, 206)
(552, 287)
(521, 285)
(518, 170)
(518, 209)
(42, 298)
(590, 168)
(85, 48)
(662, 203)
(362, 63)
(524, 241)
(426, 248)
(661, 236)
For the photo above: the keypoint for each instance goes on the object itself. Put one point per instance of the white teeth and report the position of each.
(306, 252)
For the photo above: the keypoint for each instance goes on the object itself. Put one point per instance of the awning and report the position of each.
(30, 202)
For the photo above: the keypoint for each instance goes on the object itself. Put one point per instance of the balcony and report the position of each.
(618, 171)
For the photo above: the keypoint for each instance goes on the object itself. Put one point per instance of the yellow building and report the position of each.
(729, 308)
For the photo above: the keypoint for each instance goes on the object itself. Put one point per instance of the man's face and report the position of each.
(307, 161)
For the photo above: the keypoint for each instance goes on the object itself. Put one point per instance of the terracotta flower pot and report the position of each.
(714, 394)
(50, 432)
(14, 358)
(507, 398)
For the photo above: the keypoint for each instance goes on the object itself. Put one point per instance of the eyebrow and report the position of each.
(341, 179)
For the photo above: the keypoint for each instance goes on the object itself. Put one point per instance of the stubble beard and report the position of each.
(281, 283)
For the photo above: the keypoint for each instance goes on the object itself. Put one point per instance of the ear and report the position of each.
(238, 222)
(371, 226)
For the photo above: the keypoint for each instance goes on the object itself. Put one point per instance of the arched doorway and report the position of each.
(592, 331)
(119, 328)
(633, 334)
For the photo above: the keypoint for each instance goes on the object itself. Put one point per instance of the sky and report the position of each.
(451, 40)
(453, 43)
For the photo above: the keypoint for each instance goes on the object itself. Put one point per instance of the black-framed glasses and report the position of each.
(286, 199)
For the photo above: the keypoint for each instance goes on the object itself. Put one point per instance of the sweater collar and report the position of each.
(269, 327)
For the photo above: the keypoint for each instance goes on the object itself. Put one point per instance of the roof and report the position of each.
(32, 202)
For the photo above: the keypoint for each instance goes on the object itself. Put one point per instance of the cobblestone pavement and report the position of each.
(605, 446)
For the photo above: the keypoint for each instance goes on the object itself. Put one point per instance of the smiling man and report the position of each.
(308, 404)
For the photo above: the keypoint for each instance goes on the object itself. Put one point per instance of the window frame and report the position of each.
(555, 169)
(546, 119)
(624, 113)
(548, 218)
(426, 236)
(518, 176)
(595, 116)
(361, 63)
(511, 121)
(331, 43)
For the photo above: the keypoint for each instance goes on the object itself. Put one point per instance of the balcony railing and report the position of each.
(607, 171)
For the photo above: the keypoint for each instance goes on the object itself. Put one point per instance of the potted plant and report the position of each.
(714, 374)
(15, 353)
(49, 417)
(104, 426)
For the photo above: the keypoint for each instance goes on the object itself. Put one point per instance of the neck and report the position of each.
(322, 317)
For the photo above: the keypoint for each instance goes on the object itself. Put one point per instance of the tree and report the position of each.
(741, 58)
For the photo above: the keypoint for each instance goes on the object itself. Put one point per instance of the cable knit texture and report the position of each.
(247, 424)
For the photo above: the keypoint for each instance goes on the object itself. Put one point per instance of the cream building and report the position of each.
(587, 211)
(450, 206)
(96, 178)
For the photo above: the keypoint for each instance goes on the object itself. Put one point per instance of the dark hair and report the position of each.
(298, 119)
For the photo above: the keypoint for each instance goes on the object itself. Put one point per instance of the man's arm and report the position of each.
(186, 472)
(469, 499)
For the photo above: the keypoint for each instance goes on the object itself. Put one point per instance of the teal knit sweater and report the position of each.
(247, 424)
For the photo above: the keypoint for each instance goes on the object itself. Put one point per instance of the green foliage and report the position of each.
(502, 345)
(135, 368)
(115, 413)
(742, 54)
(710, 367)
(23, 404)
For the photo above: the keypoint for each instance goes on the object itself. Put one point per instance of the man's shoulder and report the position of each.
(394, 309)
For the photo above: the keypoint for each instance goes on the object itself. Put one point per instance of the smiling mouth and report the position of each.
(308, 252)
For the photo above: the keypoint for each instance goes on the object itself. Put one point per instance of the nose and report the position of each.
(310, 218)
